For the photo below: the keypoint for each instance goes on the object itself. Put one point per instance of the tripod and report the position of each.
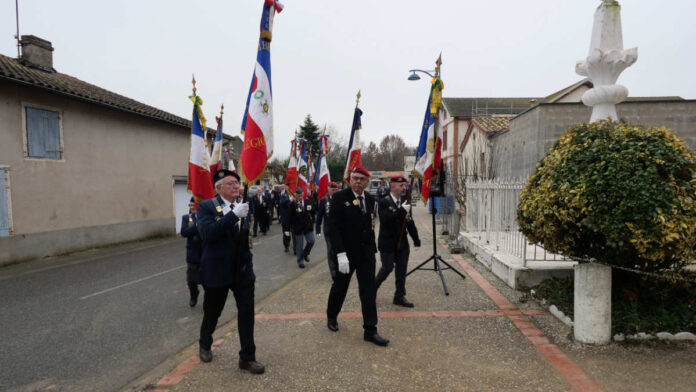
(436, 258)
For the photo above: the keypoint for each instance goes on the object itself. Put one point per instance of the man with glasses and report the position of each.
(352, 234)
(226, 265)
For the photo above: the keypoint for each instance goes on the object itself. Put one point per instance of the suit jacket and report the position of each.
(260, 207)
(193, 240)
(226, 259)
(323, 215)
(302, 221)
(284, 209)
(390, 222)
(350, 230)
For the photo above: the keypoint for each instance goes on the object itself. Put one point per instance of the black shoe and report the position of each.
(376, 339)
(193, 301)
(403, 302)
(332, 324)
(301, 265)
(306, 258)
(252, 366)
(287, 250)
(205, 355)
(254, 235)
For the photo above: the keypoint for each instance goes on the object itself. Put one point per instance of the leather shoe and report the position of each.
(301, 265)
(403, 302)
(306, 258)
(332, 324)
(193, 301)
(252, 366)
(205, 355)
(376, 339)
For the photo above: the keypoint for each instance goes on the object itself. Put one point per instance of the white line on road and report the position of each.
(133, 282)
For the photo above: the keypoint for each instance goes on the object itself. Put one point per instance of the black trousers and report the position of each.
(192, 271)
(214, 301)
(260, 220)
(365, 271)
(398, 259)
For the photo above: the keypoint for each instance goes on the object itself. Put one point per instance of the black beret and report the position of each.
(222, 173)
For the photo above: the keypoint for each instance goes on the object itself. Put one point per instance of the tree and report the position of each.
(310, 131)
(392, 150)
(371, 158)
(276, 169)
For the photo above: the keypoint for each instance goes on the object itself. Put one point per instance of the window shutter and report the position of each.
(43, 134)
(4, 217)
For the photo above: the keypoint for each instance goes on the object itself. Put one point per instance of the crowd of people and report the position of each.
(219, 252)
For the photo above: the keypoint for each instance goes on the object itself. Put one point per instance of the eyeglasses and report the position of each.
(355, 178)
(231, 183)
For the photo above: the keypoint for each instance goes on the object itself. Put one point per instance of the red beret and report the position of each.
(333, 184)
(398, 179)
(362, 171)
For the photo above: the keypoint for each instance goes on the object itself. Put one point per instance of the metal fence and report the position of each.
(491, 212)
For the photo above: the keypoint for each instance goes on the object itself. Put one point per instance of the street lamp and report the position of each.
(415, 76)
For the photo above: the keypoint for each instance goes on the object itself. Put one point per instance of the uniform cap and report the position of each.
(362, 171)
(333, 184)
(398, 179)
(222, 173)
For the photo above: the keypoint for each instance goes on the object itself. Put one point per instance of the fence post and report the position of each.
(592, 303)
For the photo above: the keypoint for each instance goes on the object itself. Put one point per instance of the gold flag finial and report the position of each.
(193, 81)
(437, 65)
(222, 107)
(357, 100)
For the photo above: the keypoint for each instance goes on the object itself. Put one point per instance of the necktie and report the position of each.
(362, 205)
(398, 204)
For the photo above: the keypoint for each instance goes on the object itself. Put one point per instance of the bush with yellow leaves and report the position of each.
(622, 194)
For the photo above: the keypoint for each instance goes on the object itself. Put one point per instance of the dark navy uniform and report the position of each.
(302, 223)
(260, 205)
(323, 218)
(391, 217)
(226, 265)
(194, 248)
(352, 231)
(284, 218)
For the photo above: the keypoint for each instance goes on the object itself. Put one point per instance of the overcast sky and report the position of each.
(324, 51)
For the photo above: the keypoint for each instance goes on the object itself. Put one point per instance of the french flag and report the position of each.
(303, 169)
(216, 156)
(291, 174)
(323, 171)
(200, 181)
(354, 158)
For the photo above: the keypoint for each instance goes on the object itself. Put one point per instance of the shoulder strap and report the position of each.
(216, 203)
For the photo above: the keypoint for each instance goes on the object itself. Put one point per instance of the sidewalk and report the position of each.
(479, 338)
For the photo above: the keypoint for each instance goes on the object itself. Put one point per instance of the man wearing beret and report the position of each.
(189, 230)
(352, 235)
(226, 265)
(302, 223)
(323, 216)
(394, 251)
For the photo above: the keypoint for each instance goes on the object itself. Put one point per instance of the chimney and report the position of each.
(532, 102)
(37, 53)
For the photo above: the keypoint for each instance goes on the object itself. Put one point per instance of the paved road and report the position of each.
(99, 319)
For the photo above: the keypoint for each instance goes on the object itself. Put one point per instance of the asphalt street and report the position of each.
(99, 319)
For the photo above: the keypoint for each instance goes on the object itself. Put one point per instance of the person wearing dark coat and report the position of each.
(323, 217)
(351, 229)
(193, 251)
(393, 213)
(260, 203)
(226, 265)
(284, 217)
(302, 223)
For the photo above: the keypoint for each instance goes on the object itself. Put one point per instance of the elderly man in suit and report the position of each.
(193, 251)
(394, 222)
(302, 223)
(351, 229)
(226, 265)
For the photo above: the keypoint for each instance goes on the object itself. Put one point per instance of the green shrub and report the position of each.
(621, 194)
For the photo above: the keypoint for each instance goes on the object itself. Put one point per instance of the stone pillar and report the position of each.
(592, 303)
(605, 62)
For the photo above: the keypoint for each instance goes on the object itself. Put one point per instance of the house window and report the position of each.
(43, 134)
(444, 141)
(5, 228)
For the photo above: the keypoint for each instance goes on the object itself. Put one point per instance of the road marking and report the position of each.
(132, 282)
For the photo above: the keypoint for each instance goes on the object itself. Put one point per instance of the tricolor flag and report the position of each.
(230, 161)
(354, 158)
(428, 154)
(257, 124)
(302, 169)
(216, 154)
(200, 181)
(323, 168)
(291, 174)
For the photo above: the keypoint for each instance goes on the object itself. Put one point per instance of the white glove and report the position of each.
(241, 210)
(318, 235)
(343, 265)
(226, 209)
(287, 233)
(406, 206)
